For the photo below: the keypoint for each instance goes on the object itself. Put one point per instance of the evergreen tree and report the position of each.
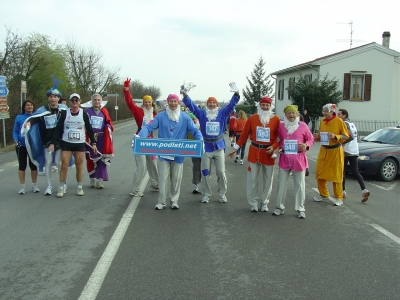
(259, 85)
(313, 95)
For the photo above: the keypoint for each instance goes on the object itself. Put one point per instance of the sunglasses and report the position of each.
(75, 100)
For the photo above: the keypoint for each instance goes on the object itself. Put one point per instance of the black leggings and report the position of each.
(240, 150)
(353, 160)
(22, 155)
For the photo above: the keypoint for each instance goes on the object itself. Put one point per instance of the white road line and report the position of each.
(1, 170)
(391, 187)
(95, 281)
(387, 233)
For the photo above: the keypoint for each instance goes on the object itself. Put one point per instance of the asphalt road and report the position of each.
(106, 245)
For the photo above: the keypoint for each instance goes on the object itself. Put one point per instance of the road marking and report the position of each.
(95, 281)
(379, 228)
(387, 233)
(391, 187)
(1, 170)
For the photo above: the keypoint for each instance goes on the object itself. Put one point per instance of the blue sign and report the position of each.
(168, 147)
(3, 88)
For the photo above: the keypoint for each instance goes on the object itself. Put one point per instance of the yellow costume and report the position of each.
(330, 162)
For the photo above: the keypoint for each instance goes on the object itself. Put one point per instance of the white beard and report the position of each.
(291, 126)
(211, 114)
(264, 115)
(148, 115)
(173, 115)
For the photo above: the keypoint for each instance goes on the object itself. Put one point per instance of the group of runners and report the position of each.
(54, 132)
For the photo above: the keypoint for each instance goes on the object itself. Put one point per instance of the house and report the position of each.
(369, 77)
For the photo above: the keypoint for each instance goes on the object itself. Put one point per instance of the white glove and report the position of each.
(186, 87)
(234, 88)
(133, 140)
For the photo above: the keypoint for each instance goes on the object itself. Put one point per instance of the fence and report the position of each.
(364, 127)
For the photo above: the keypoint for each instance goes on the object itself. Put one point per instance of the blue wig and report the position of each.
(54, 90)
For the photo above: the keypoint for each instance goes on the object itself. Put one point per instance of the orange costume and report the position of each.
(262, 137)
(257, 149)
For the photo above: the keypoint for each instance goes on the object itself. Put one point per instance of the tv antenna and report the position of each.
(351, 40)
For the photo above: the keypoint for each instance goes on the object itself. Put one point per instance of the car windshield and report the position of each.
(384, 136)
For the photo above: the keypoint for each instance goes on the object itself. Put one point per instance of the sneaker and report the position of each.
(161, 206)
(223, 199)
(136, 194)
(21, 190)
(241, 162)
(344, 195)
(48, 190)
(319, 198)
(60, 192)
(92, 182)
(99, 185)
(54, 169)
(278, 212)
(264, 207)
(196, 189)
(205, 199)
(35, 189)
(79, 191)
(254, 209)
(236, 159)
(337, 202)
(174, 205)
(301, 215)
(65, 188)
(365, 194)
(154, 188)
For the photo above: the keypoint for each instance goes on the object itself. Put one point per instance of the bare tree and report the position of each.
(86, 69)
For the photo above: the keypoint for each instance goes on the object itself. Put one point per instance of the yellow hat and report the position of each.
(147, 98)
(290, 108)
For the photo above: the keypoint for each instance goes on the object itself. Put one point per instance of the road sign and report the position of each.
(3, 88)
(4, 115)
(3, 104)
(23, 86)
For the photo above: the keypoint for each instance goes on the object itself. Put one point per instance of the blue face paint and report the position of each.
(205, 172)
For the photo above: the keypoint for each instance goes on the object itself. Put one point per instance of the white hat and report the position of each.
(75, 95)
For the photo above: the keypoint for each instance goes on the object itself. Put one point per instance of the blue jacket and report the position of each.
(18, 124)
(222, 116)
(168, 129)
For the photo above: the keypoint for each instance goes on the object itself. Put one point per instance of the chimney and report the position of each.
(386, 39)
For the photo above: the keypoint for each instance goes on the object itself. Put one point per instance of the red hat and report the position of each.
(212, 99)
(265, 99)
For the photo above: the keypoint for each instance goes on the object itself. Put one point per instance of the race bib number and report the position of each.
(324, 139)
(290, 146)
(167, 157)
(74, 135)
(212, 128)
(96, 122)
(50, 121)
(262, 134)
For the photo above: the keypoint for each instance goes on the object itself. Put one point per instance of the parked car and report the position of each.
(380, 154)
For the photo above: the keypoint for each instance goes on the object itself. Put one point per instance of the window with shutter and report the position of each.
(367, 87)
(346, 86)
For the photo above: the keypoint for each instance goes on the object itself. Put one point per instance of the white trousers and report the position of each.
(49, 162)
(267, 177)
(173, 172)
(218, 157)
(299, 189)
(143, 164)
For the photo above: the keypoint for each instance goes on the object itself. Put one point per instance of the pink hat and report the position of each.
(173, 96)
